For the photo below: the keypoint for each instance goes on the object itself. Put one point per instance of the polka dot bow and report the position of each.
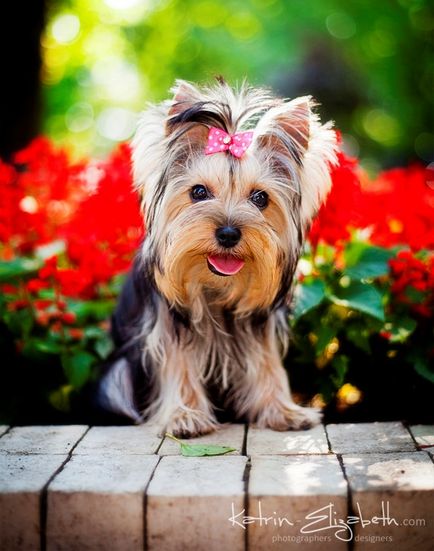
(219, 140)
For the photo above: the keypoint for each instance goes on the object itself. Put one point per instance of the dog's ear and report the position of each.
(184, 114)
(184, 96)
(286, 128)
(299, 146)
(156, 125)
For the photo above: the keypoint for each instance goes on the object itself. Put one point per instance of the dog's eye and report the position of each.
(259, 198)
(199, 193)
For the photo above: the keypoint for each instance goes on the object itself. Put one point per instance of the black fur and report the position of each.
(138, 295)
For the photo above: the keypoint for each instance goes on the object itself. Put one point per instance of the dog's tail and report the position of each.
(115, 392)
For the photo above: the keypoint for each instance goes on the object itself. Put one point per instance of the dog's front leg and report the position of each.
(182, 407)
(263, 394)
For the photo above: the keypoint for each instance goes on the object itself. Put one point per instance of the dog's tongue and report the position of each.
(226, 264)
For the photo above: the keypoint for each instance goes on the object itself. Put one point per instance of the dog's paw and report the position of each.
(187, 423)
(289, 417)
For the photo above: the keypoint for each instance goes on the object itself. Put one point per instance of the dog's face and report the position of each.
(221, 227)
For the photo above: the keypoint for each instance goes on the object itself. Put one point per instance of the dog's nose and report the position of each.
(228, 236)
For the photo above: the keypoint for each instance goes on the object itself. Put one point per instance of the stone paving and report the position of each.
(349, 486)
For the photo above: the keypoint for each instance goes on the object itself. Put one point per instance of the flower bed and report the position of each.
(68, 230)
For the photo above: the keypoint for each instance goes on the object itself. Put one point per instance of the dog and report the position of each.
(229, 181)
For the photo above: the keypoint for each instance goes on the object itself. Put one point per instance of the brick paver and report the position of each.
(291, 492)
(22, 479)
(72, 487)
(267, 441)
(189, 502)
(135, 440)
(96, 503)
(369, 438)
(396, 489)
(3, 429)
(424, 436)
(46, 440)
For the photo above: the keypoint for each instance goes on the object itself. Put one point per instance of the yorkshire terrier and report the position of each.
(229, 182)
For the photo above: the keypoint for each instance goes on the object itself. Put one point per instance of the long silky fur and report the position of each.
(180, 329)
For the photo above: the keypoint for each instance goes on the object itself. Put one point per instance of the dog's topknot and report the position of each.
(288, 137)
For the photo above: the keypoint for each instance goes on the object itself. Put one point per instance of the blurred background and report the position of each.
(81, 70)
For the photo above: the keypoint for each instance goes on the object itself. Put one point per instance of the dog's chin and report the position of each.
(224, 265)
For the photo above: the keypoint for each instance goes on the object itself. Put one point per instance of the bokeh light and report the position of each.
(65, 28)
(370, 68)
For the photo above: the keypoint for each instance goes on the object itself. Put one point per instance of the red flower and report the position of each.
(410, 273)
(341, 212)
(43, 318)
(399, 207)
(39, 195)
(107, 227)
(42, 304)
(35, 285)
(18, 305)
(8, 289)
(49, 269)
(69, 318)
(73, 283)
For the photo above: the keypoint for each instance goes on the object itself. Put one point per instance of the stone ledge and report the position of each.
(127, 488)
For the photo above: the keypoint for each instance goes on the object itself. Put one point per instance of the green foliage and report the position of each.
(372, 64)
(19, 267)
(360, 297)
(363, 261)
(347, 315)
(308, 296)
(77, 366)
(77, 346)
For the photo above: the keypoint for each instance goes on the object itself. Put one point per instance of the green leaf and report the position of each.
(325, 334)
(361, 297)
(414, 295)
(340, 366)
(59, 399)
(401, 329)
(422, 367)
(47, 346)
(77, 367)
(19, 267)
(200, 450)
(359, 336)
(103, 346)
(353, 251)
(91, 309)
(94, 332)
(307, 297)
(20, 322)
(368, 262)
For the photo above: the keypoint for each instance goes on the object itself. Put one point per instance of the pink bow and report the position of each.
(219, 140)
